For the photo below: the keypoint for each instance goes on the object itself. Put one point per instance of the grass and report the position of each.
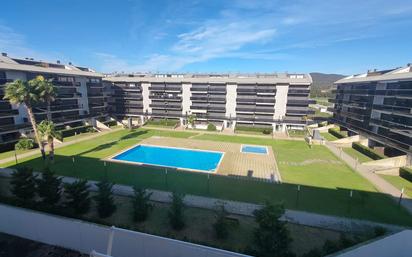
(328, 136)
(357, 155)
(9, 154)
(162, 123)
(297, 133)
(326, 182)
(399, 183)
(78, 136)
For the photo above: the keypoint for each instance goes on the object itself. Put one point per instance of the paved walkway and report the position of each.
(224, 132)
(368, 173)
(247, 209)
(36, 151)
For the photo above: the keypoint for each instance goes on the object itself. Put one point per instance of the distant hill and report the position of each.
(322, 83)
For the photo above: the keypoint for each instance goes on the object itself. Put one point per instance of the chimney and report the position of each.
(4, 54)
(58, 61)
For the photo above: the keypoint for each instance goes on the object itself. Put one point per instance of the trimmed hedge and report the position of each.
(406, 173)
(265, 131)
(110, 123)
(336, 133)
(367, 151)
(211, 127)
(163, 122)
(76, 130)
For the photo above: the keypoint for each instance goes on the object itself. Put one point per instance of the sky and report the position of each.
(333, 36)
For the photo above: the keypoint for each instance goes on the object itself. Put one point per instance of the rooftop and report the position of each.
(401, 73)
(31, 65)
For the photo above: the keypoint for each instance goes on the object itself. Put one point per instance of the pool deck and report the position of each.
(234, 162)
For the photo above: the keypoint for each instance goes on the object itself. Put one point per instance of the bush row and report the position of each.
(367, 151)
(263, 130)
(406, 173)
(110, 123)
(76, 130)
(336, 133)
(163, 122)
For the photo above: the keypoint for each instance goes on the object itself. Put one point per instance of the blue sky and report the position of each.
(211, 36)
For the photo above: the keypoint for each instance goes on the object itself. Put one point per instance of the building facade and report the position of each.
(80, 96)
(279, 101)
(378, 105)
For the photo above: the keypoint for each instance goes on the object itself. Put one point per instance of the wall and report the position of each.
(86, 237)
(231, 95)
(281, 100)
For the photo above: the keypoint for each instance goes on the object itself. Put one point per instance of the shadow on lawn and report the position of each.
(340, 201)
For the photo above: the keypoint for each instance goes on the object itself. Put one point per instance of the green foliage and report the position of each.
(191, 119)
(77, 196)
(211, 127)
(49, 187)
(24, 144)
(330, 247)
(141, 204)
(23, 184)
(90, 129)
(336, 133)
(379, 231)
(77, 130)
(221, 225)
(406, 173)
(176, 212)
(104, 199)
(257, 129)
(163, 122)
(271, 238)
(367, 151)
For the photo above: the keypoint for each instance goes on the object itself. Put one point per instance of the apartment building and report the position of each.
(378, 105)
(80, 96)
(278, 101)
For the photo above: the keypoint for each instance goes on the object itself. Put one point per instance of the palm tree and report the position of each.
(22, 92)
(47, 91)
(48, 132)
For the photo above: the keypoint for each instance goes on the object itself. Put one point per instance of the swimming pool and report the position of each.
(180, 158)
(254, 149)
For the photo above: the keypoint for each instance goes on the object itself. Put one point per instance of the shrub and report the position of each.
(72, 131)
(104, 199)
(264, 130)
(49, 187)
(176, 212)
(24, 144)
(267, 131)
(90, 130)
(211, 127)
(272, 237)
(367, 151)
(77, 196)
(141, 205)
(221, 224)
(163, 122)
(23, 184)
(336, 133)
(406, 173)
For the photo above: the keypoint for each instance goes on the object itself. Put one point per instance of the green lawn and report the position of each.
(399, 183)
(328, 136)
(356, 154)
(78, 136)
(326, 182)
(8, 154)
(296, 133)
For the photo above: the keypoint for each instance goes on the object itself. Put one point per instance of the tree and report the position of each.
(271, 238)
(221, 225)
(77, 196)
(47, 92)
(191, 119)
(141, 204)
(48, 132)
(49, 187)
(23, 184)
(104, 199)
(176, 211)
(22, 92)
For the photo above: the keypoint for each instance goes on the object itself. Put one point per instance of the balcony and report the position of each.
(8, 113)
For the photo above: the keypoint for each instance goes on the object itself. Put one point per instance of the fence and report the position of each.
(86, 237)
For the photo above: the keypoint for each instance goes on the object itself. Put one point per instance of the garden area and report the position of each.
(166, 123)
(325, 182)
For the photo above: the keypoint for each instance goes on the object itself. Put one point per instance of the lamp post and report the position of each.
(167, 186)
(105, 170)
(74, 167)
(208, 185)
(400, 197)
(350, 200)
(297, 195)
(15, 156)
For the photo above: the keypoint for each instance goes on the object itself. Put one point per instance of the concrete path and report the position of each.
(247, 209)
(57, 146)
(201, 132)
(368, 173)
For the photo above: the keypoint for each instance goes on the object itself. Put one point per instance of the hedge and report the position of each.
(336, 133)
(367, 151)
(72, 131)
(110, 123)
(163, 122)
(254, 129)
(406, 173)
(211, 127)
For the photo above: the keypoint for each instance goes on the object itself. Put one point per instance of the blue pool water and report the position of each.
(172, 157)
(254, 149)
